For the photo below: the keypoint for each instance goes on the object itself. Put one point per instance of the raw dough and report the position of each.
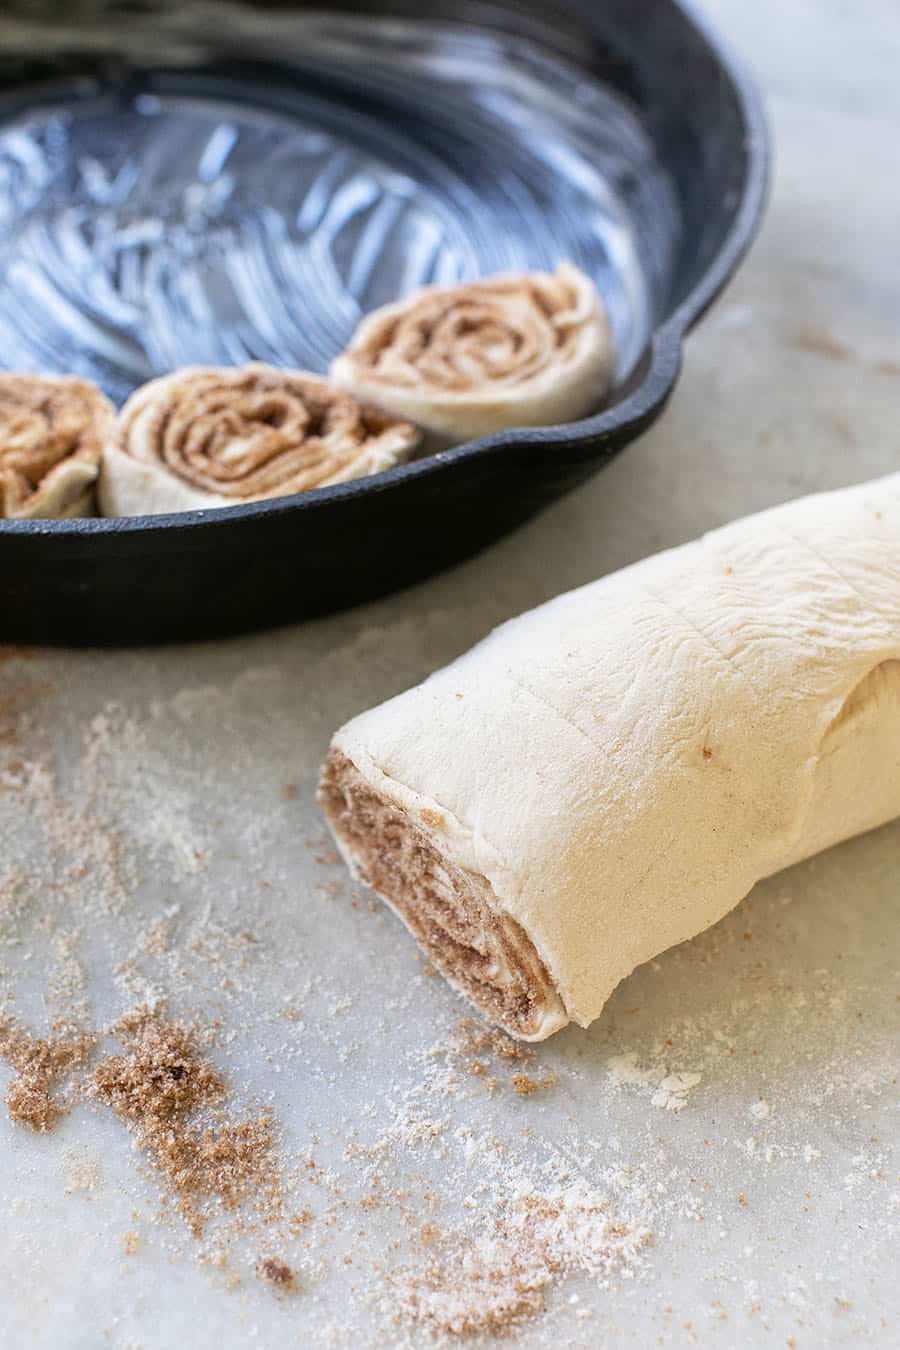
(203, 438)
(609, 774)
(52, 430)
(508, 351)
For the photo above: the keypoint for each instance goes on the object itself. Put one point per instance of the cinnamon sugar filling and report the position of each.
(452, 913)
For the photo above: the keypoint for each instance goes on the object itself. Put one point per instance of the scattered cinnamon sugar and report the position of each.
(158, 1088)
(493, 1281)
(489, 1300)
(478, 1069)
(277, 1273)
(472, 1038)
(526, 1086)
(40, 1064)
(475, 1038)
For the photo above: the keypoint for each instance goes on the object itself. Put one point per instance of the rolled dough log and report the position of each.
(612, 772)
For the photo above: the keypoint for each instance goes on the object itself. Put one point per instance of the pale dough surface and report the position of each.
(625, 762)
(68, 492)
(133, 487)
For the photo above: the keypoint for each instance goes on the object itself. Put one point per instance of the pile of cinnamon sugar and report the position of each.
(40, 1064)
(171, 1099)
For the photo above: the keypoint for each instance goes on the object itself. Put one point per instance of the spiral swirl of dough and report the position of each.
(205, 437)
(471, 359)
(52, 431)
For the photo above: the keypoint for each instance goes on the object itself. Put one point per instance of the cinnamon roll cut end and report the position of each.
(453, 913)
(52, 431)
(204, 438)
(485, 356)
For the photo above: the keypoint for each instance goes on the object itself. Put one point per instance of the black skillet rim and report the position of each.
(587, 434)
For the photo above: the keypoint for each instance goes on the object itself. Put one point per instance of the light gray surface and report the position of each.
(772, 1193)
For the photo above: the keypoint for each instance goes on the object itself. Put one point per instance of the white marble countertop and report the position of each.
(738, 1099)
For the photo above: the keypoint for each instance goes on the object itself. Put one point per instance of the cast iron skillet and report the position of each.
(670, 110)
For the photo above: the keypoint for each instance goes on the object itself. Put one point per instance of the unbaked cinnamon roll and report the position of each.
(52, 431)
(508, 351)
(204, 438)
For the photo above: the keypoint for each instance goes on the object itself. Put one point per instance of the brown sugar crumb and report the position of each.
(479, 1069)
(526, 1086)
(475, 1039)
(131, 1242)
(742, 1200)
(290, 792)
(39, 1065)
(277, 1274)
(157, 1088)
(434, 819)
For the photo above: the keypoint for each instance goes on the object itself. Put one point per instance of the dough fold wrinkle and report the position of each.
(612, 772)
